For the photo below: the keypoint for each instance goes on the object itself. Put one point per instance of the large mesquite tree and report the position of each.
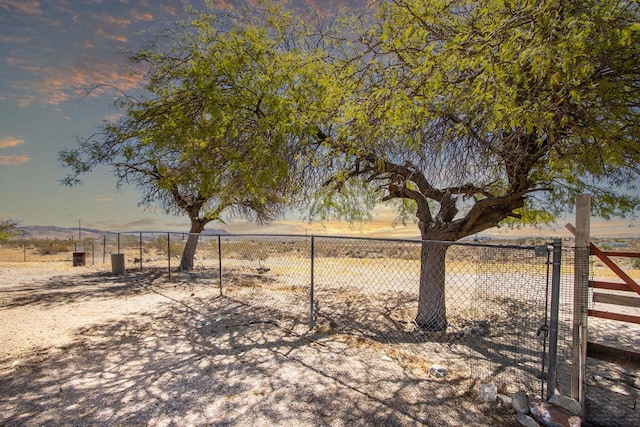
(216, 130)
(477, 113)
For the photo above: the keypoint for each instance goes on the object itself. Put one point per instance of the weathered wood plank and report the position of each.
(622, 254)
(612, 286)
(623, 300)
(615, 316)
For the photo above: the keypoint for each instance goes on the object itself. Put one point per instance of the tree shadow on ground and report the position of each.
(216, 362)
(67, 289)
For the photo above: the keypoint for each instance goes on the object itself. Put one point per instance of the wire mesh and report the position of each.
(271, 272)
(367, 290)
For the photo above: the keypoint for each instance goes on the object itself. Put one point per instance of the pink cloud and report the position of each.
(58, 85)
(101, 33)
(170, 10)
(112, 117)
(10, 141)
(28, 7)
(13, 160)
(141, 16)
(15, 39)
(221, 4)
(107, 19)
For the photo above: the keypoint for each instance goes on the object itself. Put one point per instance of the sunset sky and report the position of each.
(51, 51)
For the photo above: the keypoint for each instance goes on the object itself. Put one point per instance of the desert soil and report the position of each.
(81, 346)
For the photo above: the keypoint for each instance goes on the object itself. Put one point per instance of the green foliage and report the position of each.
(490, 111)
(219, 125)
(469, 114)
(7, 229)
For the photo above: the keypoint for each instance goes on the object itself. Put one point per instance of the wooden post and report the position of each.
(581, 298)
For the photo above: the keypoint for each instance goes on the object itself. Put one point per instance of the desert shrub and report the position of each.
(248, 250)
(160, 245)
(48, 247)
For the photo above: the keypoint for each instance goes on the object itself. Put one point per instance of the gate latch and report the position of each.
(544, 329)
(541, 250)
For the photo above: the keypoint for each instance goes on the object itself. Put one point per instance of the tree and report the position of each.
(215, 132)
(474, 114)
(7, 229)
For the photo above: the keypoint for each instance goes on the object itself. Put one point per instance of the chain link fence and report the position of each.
(366, 291)
(361, 293)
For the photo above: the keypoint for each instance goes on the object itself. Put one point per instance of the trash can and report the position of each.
(117, 263)
(78, 259)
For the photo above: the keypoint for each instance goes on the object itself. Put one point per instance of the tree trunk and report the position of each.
(432, 309)
(186, 263)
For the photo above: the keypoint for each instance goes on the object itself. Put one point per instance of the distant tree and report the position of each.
(7, 229)
(473, 114)
(217, 130)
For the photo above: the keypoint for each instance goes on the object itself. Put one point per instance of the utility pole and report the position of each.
(79, 230)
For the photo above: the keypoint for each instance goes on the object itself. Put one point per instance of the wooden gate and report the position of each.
(630, 297)
(626, 294)
(612, 394)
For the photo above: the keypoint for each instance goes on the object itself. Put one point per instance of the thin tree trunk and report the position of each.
(186, 263)
(432, 309)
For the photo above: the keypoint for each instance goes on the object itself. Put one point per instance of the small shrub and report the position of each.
(49, 247)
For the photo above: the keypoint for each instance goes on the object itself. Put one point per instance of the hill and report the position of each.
(63, 233)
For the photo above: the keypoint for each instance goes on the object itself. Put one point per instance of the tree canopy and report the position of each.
(472, 114)
(216, 129)
(477, 113)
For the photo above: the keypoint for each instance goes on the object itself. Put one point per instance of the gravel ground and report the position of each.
(83, 347)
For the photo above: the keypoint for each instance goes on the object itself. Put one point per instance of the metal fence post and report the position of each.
(169, 253)
(104, 249)
(220, 263)
(312, 320)
(140, 251)
(555, 309)
(118, 243)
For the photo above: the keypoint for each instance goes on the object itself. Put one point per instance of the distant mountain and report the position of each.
(214, 232)
(62, 233)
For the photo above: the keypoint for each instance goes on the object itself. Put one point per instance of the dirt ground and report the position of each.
(81, 346)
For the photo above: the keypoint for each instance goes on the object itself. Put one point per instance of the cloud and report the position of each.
(103, 34)
(14, 160)
(112, 20)
(61, 84)
(10, 141)
(27, 7)
(102, 199)
(169, 10)
(15, 40)
(221, 4)
(138, 225)
(382, 225)
(141, 16)
(112, 117)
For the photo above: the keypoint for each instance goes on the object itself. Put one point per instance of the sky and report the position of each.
(51, 52)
